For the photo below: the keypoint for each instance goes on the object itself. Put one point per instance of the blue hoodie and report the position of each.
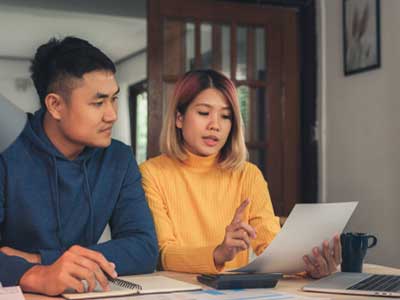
(49, 203)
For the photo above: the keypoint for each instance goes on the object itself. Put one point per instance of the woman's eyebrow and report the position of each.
(210, 106)
(203, 104)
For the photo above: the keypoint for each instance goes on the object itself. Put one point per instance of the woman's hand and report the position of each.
(237, 238)
(325, 263)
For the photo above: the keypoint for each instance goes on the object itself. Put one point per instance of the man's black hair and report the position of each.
(58, 62)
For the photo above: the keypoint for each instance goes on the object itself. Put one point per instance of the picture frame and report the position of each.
(361, 36)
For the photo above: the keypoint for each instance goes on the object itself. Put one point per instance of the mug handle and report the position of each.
(374, 240)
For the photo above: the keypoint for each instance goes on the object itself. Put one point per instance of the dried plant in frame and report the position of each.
(361, 35)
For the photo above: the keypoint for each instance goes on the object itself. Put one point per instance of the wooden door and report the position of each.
(257, 47)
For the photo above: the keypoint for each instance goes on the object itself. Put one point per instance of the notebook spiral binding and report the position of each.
(126, 284)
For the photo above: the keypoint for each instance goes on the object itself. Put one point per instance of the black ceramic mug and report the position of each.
(354, 249)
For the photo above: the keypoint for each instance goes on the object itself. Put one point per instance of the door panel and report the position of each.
(257, 48)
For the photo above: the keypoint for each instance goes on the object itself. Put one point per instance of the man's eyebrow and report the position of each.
(102, 95)
(117, 91)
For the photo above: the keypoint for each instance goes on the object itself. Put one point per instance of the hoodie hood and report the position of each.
(68, 180)
(34, 131)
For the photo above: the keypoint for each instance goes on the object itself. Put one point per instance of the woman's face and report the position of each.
(207, 123)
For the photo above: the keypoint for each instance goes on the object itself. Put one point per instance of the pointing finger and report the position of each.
(239, 211)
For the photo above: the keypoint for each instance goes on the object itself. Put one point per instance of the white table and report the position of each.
(289, 284)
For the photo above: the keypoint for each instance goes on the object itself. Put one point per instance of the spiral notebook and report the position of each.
(134, 285)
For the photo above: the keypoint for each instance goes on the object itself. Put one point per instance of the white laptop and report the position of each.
(357, 284)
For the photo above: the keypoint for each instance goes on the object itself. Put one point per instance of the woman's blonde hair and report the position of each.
(234, 153)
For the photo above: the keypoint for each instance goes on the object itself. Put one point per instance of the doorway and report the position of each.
(138, 113)
(258, 48)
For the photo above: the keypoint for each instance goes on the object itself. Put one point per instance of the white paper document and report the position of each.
(307, 226)
(240, 294)
(11, 293)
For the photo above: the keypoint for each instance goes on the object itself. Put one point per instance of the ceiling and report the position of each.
(123, 8)
(25, 25)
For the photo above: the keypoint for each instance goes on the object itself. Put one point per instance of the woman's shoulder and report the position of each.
(161, 162)
(250, 172)
(249, 168)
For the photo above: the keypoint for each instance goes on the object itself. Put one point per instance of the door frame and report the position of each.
(306, 10)
(307, 90)
(133, 91)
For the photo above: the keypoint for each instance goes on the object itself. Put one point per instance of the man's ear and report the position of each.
(54, 104)
(179, 120)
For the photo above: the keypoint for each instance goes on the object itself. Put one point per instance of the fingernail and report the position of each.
(112, 265)
(115, 274)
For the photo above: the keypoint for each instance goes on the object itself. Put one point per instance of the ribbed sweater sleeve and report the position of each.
(174, 257)
(261, 217)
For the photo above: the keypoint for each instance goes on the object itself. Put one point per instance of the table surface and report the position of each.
(289, 284)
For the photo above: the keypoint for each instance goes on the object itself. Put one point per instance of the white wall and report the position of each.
(16, 85)
(133, 70)
(360, 128)
(128, 72)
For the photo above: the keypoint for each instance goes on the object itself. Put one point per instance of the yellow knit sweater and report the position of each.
(193, 202)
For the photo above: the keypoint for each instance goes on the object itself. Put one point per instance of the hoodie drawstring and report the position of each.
(56, 199)
(90, 202)
(35, 132)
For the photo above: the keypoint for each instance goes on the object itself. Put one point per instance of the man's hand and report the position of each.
(325, 263)
(68, 272)
(30, 257)
(237, 238)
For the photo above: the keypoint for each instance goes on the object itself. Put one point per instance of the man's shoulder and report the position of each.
(116, 144)
(118, 149)
(117, 155)
(17, 148)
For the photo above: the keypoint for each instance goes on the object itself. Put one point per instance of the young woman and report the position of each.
(209, 205)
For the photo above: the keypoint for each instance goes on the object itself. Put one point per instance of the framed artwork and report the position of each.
(361, 35)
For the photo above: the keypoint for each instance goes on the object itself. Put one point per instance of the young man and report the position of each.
(65, 179)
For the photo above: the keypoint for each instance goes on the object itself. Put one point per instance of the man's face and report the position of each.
(88, 115)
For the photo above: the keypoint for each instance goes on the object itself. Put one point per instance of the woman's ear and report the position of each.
(179, 120)
(54, 104)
